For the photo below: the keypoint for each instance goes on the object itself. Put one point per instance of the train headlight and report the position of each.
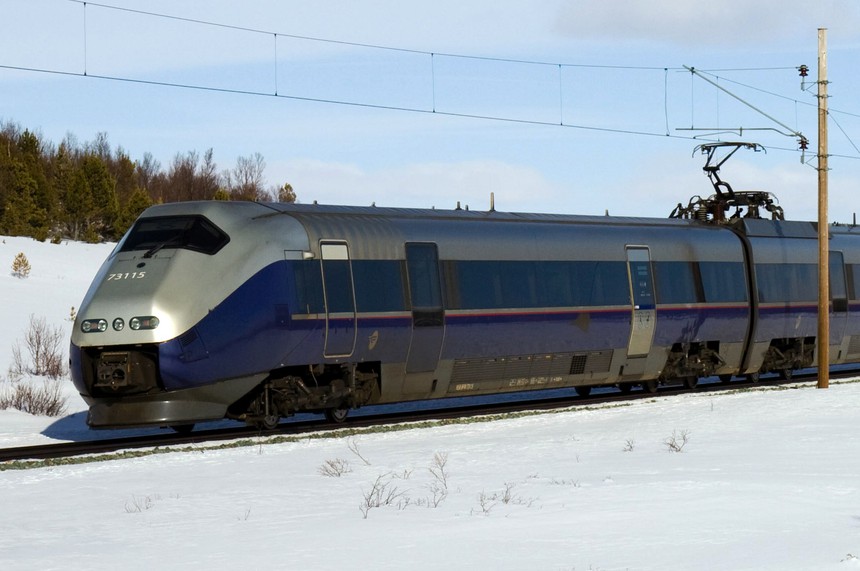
(118, 324)
(94, 326)
(144, 322)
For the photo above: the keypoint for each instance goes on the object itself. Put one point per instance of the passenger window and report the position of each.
(422, 267)
(723, 281)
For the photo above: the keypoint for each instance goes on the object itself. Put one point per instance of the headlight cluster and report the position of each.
(139, 323)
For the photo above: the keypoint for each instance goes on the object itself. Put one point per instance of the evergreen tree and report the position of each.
(286, 193)
(78, 204)
(102, 187)
(137, 203)
(22, 216)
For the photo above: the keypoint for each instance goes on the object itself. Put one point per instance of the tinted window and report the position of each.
(677, 282)
(787, 282)
(378, 285)
(423, 267)
(519, 284)
(723, 281)
(338, 286)
(194, 233)
(854, 280)
(425, 290)
(309, 286)
(837, 276)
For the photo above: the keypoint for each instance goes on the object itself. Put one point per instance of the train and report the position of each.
(258, 311)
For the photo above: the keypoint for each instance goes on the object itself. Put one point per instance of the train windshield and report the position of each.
(194, 233)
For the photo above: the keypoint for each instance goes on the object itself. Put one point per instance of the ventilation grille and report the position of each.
(188, 338)
(554, 365)
(594, 362)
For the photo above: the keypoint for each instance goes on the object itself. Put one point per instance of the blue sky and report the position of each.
(622, 75)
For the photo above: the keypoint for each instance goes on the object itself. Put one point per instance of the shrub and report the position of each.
(334, 468)
(44, 345)
(677, 441)
(40, 400)
(21, 266)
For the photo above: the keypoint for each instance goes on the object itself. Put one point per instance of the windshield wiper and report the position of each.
(155, 249)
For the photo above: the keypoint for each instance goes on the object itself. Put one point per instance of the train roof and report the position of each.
(465, 214)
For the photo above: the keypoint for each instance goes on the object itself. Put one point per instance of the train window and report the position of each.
(309, 286)
(787, 282)
(425, 292)
(603, 283)
(853, 280)
(723, 281)
(677, 282)
(194, 233)
(519, 284)
(478, 285)
(379, 285)
(337, 279)
(837, 277)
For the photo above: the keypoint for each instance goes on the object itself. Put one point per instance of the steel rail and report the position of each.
(170, 440)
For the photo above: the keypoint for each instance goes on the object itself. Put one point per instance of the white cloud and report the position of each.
(727, 23)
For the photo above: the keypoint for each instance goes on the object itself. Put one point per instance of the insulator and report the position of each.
(702, 213)
(804, 70)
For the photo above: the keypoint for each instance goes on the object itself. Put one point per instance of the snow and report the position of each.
(768, 479)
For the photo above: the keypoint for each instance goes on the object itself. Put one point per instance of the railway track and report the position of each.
(173, 440)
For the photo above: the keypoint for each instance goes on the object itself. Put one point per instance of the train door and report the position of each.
(428, 319)
(339, 299)
(839, 303)
(644, 310)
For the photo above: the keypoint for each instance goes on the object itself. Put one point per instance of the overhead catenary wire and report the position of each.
(432, 56)
(346, 103)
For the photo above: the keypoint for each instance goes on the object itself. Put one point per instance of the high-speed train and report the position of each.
(253, 311)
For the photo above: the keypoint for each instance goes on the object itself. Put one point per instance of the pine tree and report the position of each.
(103, 190)
(286, 193)
(137, 203)
(78, 203)
(21, 266)
(22, 216)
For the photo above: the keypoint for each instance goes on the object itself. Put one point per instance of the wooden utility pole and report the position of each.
(823, 237)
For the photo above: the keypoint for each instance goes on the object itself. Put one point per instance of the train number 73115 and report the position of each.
(126, 276)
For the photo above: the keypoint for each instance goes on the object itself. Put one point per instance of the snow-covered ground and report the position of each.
(767, 479)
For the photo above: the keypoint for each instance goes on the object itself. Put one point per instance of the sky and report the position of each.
(593, 109)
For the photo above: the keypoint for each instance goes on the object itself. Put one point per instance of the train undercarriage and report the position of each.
(331, 389)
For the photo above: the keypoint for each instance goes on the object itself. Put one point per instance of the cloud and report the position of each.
(420, 185)
(727, 23)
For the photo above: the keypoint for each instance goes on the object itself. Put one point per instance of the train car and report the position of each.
(252, 311)
(784, 265)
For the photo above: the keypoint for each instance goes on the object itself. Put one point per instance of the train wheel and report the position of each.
(583, 391)
(649, 386)
(725, 378)
(786, 374)
(336, 415)
(754, 377)
(268, 422)
(625, 388)
(691, 382)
